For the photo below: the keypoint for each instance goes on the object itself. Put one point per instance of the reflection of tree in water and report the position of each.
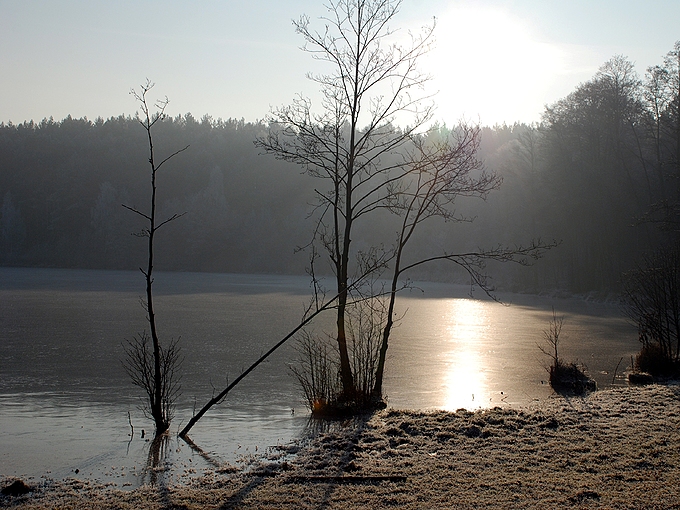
(157, 461)
(210, 459)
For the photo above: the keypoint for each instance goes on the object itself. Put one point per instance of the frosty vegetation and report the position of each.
(614, 449)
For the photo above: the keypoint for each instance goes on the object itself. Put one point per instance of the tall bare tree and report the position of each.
(444, 168)
(351, 144)
(369, 165)
(154, 371)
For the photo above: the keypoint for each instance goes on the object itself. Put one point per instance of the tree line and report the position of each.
(600, 173)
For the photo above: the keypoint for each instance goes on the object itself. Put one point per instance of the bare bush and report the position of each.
(140, 367)
(552, 340)
(652, 301)
(317, 371)
(564, 377)
(318, 366)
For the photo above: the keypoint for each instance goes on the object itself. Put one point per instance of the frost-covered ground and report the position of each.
(618, 448)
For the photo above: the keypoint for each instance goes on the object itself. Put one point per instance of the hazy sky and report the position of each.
(496, 60)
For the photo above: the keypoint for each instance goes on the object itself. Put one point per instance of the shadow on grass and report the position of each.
(332, 474)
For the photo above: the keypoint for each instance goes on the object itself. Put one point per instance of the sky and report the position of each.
(495, 61)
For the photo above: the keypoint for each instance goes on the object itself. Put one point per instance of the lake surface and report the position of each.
(66, 405)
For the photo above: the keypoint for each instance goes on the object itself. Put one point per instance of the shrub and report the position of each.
(564, 377)
(317, 371)
(571, 378)
(318, 367)
(652, 301)
(653, 360)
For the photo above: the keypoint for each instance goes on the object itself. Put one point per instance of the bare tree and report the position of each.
(444, 167)
(672, 117)
(370, 165)
(552, 341)
(317, 387)
(154, 371)
(661, 93)
(652, 301)
(140, 365)
(352, 143)
(565, 377)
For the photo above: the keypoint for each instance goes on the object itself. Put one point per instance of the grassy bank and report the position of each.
(618, 448)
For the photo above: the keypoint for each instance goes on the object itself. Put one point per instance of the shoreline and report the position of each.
(616, 448)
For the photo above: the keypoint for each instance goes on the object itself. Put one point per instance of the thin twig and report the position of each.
(615, 370)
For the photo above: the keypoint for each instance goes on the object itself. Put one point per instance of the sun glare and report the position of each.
(489, 66)
(465, 380)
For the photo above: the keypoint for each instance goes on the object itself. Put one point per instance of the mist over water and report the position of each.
(65, 399)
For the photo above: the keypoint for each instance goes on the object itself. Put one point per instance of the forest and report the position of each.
(599, 174)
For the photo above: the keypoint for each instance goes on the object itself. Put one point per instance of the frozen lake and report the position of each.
(66, 403)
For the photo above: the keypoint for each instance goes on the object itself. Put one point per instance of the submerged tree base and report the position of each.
(346, 408)
(571, 378)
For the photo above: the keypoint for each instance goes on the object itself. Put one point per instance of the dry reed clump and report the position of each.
(654, 361)
(571, 378)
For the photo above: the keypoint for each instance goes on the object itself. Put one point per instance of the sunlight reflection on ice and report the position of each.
(465, 378)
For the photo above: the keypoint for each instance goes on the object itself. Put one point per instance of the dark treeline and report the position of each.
(63, 184)
(600, 173)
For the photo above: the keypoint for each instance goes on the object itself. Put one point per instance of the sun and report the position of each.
(488, 65)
